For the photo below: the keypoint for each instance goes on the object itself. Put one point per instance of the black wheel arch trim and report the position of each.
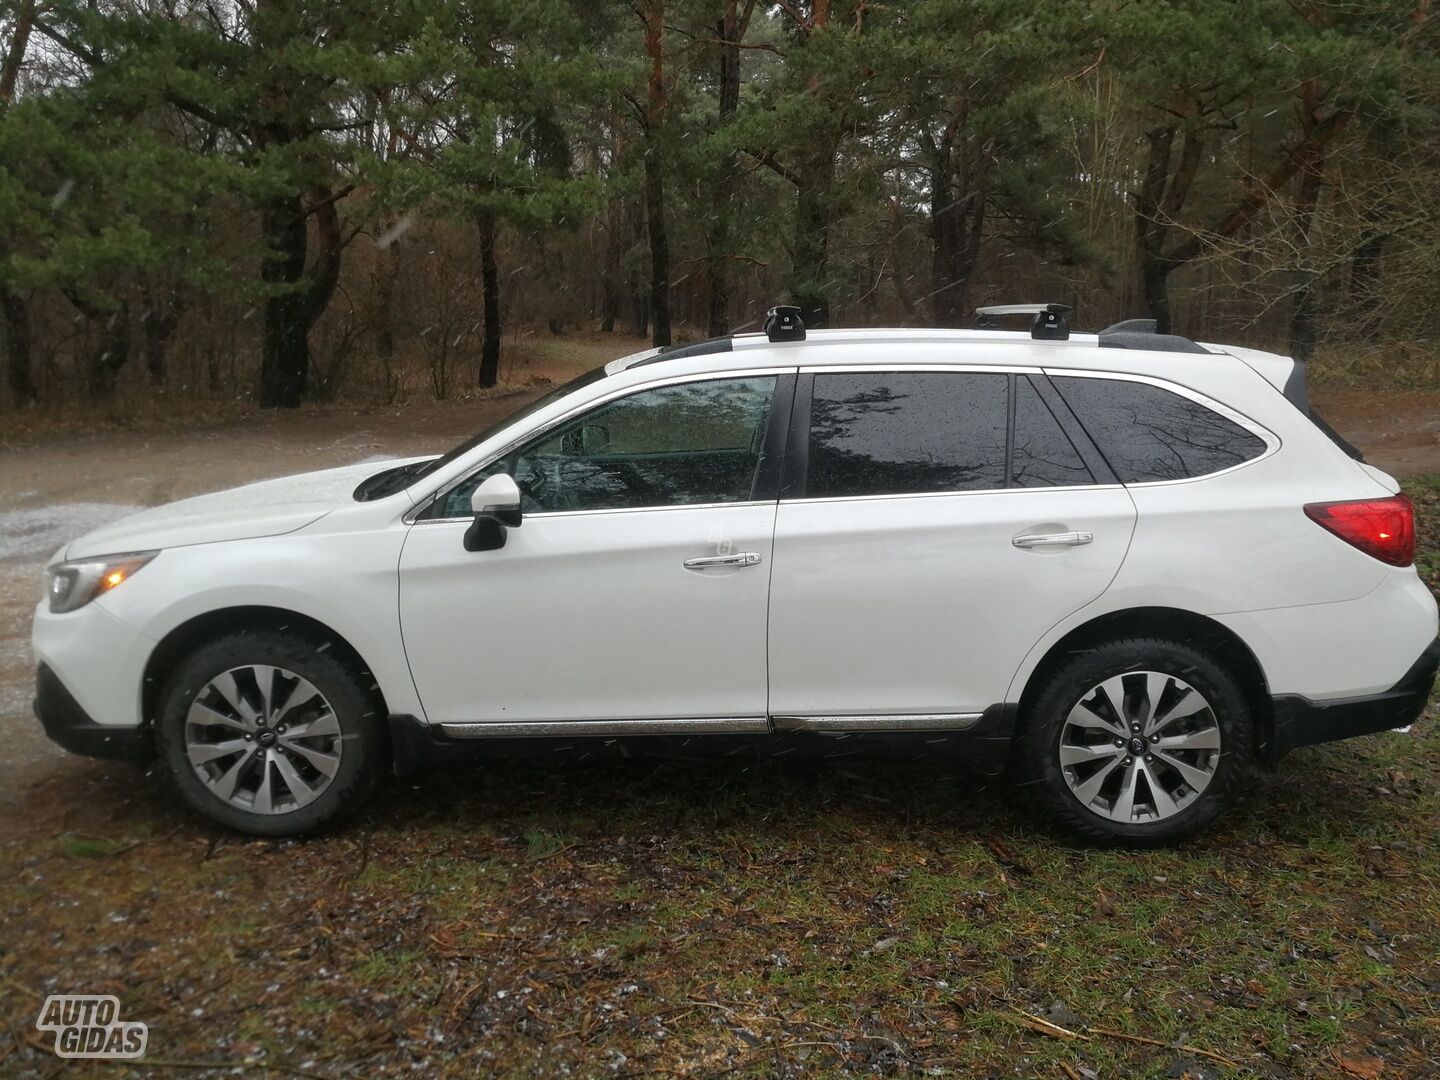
(69, 726)
(1298, 721)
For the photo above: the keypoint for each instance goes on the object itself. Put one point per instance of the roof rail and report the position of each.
(680, 352)
(1140, 334)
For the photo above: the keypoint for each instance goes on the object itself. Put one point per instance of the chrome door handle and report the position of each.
(740, 558)
(1065, 539)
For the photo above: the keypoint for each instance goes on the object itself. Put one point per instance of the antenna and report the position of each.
(1050, 323)
(782, 323)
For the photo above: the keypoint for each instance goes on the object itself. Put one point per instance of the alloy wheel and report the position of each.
(263, 739)
(1139, 747)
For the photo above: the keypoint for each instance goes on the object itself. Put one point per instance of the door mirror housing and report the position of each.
(496, 505)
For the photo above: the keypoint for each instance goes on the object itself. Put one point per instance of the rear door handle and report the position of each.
(1065, 539)
(740, 558)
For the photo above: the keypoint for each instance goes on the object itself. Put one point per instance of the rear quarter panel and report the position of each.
(1238, 543)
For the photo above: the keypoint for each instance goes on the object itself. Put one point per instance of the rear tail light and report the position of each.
(1383, 528)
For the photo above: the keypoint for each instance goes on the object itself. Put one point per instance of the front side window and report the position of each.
(1148, 433)
(694, 442)
(906, 432)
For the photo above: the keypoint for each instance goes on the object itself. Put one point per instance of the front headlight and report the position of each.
(71, 585)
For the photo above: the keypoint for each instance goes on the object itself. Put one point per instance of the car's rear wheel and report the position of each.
(1138, 741)
(270, 734)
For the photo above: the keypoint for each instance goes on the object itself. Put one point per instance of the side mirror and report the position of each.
(496, 505)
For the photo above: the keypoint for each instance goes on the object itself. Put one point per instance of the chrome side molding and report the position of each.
(879, 722)
(701, 725)
(710, 725)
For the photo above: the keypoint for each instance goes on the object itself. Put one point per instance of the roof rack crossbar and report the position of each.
(1050, 323)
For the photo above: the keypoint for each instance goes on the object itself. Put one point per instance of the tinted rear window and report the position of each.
(892, 433)
(1147, 433)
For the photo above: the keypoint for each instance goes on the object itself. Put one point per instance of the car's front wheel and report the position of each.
(270, 733)
(1138, 741)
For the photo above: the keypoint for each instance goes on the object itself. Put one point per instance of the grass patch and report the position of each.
(754, 920)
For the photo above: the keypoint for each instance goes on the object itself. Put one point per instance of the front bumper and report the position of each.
(68, 725)
(1302, 722)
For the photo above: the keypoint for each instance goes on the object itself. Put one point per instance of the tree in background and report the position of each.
(494, 92)
(280, 82)
(1253, 168)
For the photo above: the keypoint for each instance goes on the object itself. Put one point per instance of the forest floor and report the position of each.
(697, 920)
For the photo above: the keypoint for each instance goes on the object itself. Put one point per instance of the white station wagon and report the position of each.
(1128, 566)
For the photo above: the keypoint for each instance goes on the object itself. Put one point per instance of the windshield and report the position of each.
(535, 406)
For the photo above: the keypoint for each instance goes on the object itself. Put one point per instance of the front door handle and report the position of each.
(740, 558)
(1065, 539)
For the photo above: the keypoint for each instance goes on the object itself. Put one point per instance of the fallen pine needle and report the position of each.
(1221, 1058)
(164, 1063)
(1045, 1027)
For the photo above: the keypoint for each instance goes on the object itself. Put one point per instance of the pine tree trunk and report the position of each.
(111, 353)
(18, 342)
(655, 173)
(635, 286)
(1303, 310)
(490, 288)
(722, 198)
(285, 365)
(158, 325)
(810, 245)
(289, 315)
(957, 225)
(1364, 281)
(1155, 289)
(386, 259)
(1152, 275)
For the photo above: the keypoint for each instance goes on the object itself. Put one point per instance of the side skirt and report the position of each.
(979, 737)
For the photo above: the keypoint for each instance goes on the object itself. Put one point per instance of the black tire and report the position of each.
(364, 744)
(1064, 687)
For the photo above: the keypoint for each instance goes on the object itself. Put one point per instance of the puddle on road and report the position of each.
(37, 532)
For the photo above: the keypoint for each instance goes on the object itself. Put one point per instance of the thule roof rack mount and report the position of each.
(782, 323)
(1050, 323)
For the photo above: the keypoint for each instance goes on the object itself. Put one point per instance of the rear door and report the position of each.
(934, 523)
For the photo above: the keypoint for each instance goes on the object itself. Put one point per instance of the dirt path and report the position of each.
(1399, 433)
(56, 487)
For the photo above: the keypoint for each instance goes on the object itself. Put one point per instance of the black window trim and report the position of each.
(793, 483)
(1272, 441)
(420, 513)
(1075, 431)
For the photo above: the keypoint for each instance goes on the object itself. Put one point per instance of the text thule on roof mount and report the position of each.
(782, 323)
(1049, 325)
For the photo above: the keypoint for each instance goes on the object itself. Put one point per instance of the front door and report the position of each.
(635, 587)
(943, 523)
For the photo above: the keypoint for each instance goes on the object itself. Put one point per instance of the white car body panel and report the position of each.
(887, 605)
(267, 508)
(590, 616)
(341, 572)
(923, 604)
